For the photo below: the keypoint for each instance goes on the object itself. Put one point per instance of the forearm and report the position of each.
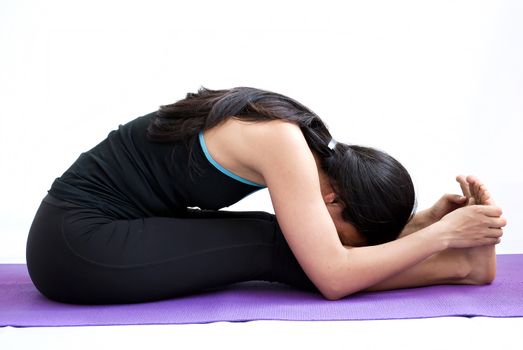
(364, 267)
(420, 220)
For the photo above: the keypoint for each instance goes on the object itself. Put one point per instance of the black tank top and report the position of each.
(128, 176)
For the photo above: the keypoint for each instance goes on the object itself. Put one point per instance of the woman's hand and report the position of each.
(446, 204)
(471, 220)
(474, 192)
(472, 226)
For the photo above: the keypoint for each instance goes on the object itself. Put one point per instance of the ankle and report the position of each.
(464, 268)
(483, 266)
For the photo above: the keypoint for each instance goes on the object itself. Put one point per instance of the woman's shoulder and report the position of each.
(256, 139)
(257, 125)
(248, 147)
(243, 135)
(273, 142)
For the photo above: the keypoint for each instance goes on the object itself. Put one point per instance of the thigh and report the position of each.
(79, 255)
(157, 240)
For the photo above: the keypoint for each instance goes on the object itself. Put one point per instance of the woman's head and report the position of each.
(376, 191)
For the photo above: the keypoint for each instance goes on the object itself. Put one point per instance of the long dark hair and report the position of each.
(375, 189)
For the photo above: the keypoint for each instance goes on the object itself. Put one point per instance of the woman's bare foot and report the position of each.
(474, 190)
(483, 265)
(482, 259)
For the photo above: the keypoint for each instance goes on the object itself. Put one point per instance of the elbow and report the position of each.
(336, 284)
(331, 296)
(333, 291)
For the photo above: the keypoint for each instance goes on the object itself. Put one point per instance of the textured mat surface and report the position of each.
(22, 305)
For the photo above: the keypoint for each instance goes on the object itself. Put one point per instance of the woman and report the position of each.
(136, 218)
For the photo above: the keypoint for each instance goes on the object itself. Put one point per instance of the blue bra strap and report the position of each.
(219, 167)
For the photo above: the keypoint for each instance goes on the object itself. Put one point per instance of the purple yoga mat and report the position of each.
(22, 305)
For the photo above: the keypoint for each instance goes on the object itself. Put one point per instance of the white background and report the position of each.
(437, 84)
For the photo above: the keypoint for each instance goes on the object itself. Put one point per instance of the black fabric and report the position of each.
(121, 225)
(82, 255)
(127, 176)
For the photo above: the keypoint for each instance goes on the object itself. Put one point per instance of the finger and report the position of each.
(489, 210)
(495, 233)
(456, 198)
(497, 222)
(487, 241)
(464, 185)
(495, 241)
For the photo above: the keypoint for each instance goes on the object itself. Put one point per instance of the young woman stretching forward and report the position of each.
(136, 218)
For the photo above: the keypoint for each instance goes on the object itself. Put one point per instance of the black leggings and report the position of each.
(81, 255)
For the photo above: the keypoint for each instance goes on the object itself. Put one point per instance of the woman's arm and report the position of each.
(289, 170)
(451, 266)
(443, 206)
(420, 220)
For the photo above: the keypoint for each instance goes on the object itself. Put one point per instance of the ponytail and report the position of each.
(208, 108)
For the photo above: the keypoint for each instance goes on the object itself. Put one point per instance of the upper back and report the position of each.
(238, 145)
(129, 176)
